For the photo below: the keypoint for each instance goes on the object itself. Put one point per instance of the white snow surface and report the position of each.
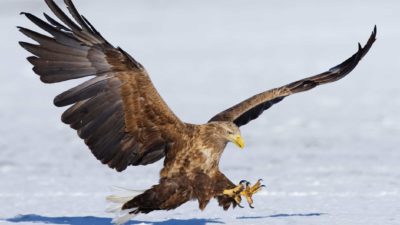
(328, 156)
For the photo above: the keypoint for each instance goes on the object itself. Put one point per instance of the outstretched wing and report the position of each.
(253, 107)
(118, 112)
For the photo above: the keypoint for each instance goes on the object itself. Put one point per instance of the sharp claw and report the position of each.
(244, 189)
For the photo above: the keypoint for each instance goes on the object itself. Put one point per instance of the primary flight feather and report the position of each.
(124, 121)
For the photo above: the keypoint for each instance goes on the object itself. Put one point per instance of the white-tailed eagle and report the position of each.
(124, 121)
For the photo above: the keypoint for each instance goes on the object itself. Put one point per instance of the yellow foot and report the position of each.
(244, 189)
(249, 191)
(235, 192)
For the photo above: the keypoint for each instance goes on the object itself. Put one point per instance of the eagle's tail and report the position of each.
(118, 201)
(168, 194)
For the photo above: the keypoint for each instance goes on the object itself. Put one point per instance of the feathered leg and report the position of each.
(225, 201)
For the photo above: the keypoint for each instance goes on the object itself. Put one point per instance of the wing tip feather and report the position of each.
(31, 59)
(333, 74)
(25, 45)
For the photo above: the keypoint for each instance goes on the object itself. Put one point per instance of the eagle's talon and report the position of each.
(249, 191)
(235, 192)
(243, 181)
(244, 189)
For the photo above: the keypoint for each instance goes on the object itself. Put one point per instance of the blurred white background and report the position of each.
(328, 156)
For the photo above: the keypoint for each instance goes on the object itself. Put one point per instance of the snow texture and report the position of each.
(328, 156)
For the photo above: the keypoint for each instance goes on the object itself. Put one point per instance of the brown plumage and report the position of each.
(124, 121)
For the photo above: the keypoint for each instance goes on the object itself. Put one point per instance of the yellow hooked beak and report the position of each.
(237, 140)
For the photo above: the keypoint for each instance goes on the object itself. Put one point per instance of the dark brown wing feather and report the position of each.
(253, 107)
(118, 113)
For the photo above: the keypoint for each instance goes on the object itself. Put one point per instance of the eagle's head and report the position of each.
(229, 132)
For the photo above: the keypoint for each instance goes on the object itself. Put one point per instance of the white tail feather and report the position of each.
(114, 208)
(123, 217)
(126, 190)
(118, 200)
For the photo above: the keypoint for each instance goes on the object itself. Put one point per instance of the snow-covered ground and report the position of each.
(329, 156)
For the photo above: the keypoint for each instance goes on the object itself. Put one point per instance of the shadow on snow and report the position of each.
(86, 220)
(89, 220)
(281, 215)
